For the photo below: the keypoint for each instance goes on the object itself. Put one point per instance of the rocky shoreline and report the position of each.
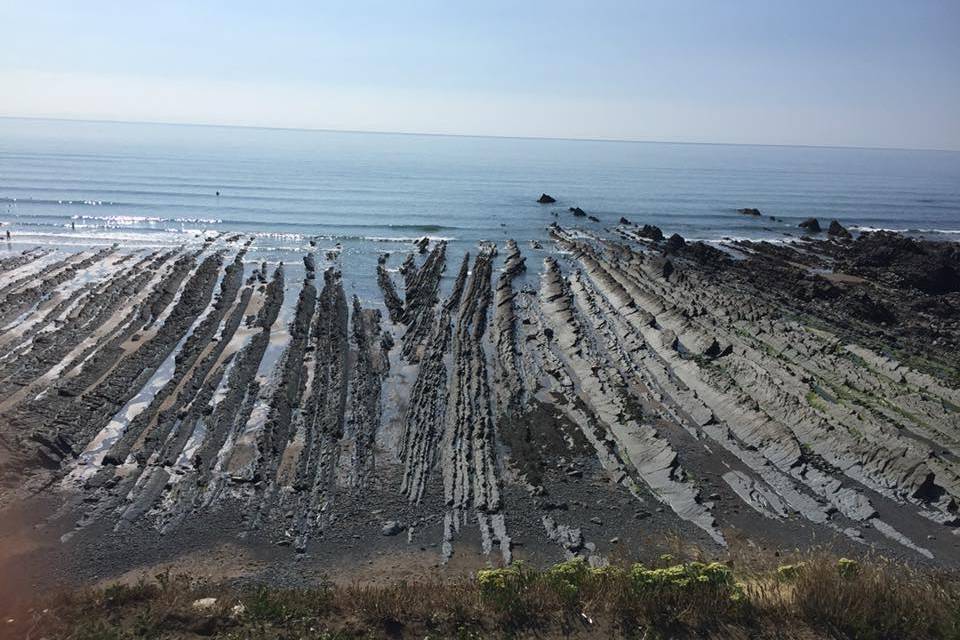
(780, 395)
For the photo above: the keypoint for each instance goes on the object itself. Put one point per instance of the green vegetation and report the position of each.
(788, 572)
(815, 596)
(815, 401)
(848, 568)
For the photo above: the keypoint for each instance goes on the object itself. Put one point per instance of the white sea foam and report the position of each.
(717, 242)
(408, 238)
(393, 239)
(132, 220)
(100, 236)
(869, 229)
(294, 237)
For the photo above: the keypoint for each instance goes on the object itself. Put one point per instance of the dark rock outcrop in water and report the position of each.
(545, 199)
(624, 221)
(577, 212)
(749, 211)
(310, 265)
(811, 224)
(837, 230)
(674, 243)
(651, 231)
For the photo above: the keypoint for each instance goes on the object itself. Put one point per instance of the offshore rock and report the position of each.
(651, 231)
(838, 230)
(546, 199)
(675, 243)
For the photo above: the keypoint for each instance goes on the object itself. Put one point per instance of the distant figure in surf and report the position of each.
(8, 234)
(73, 226)
(218, 194)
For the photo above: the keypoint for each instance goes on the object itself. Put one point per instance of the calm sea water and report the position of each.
(147, 185)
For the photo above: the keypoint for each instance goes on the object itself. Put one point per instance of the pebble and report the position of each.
(391, 528)
(204, 604)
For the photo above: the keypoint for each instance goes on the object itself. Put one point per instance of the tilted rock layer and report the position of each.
(595, 393)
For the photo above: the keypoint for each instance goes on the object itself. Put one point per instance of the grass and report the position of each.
(813, 596)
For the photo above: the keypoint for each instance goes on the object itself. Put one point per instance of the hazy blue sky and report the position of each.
(844, 72)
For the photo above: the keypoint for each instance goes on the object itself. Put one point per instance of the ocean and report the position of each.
(75, 184)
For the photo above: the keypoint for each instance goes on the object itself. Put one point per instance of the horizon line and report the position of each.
(470, 135)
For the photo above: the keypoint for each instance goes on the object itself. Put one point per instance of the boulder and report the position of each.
(204, 604)
(811, 224)
(546, 199)
(593, 218)
(578, 212)
(838, 230)
(675, 243)
(624, 220)
(391, 528)
(570, 538)
(749, 211)
(651, 231)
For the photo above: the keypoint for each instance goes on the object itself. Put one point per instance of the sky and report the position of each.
(882, 73)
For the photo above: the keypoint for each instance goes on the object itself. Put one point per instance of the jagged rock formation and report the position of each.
(508, 367)
(626, 387)
(421, 297)
(674, 243)
(838, 230)
(390, 298)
